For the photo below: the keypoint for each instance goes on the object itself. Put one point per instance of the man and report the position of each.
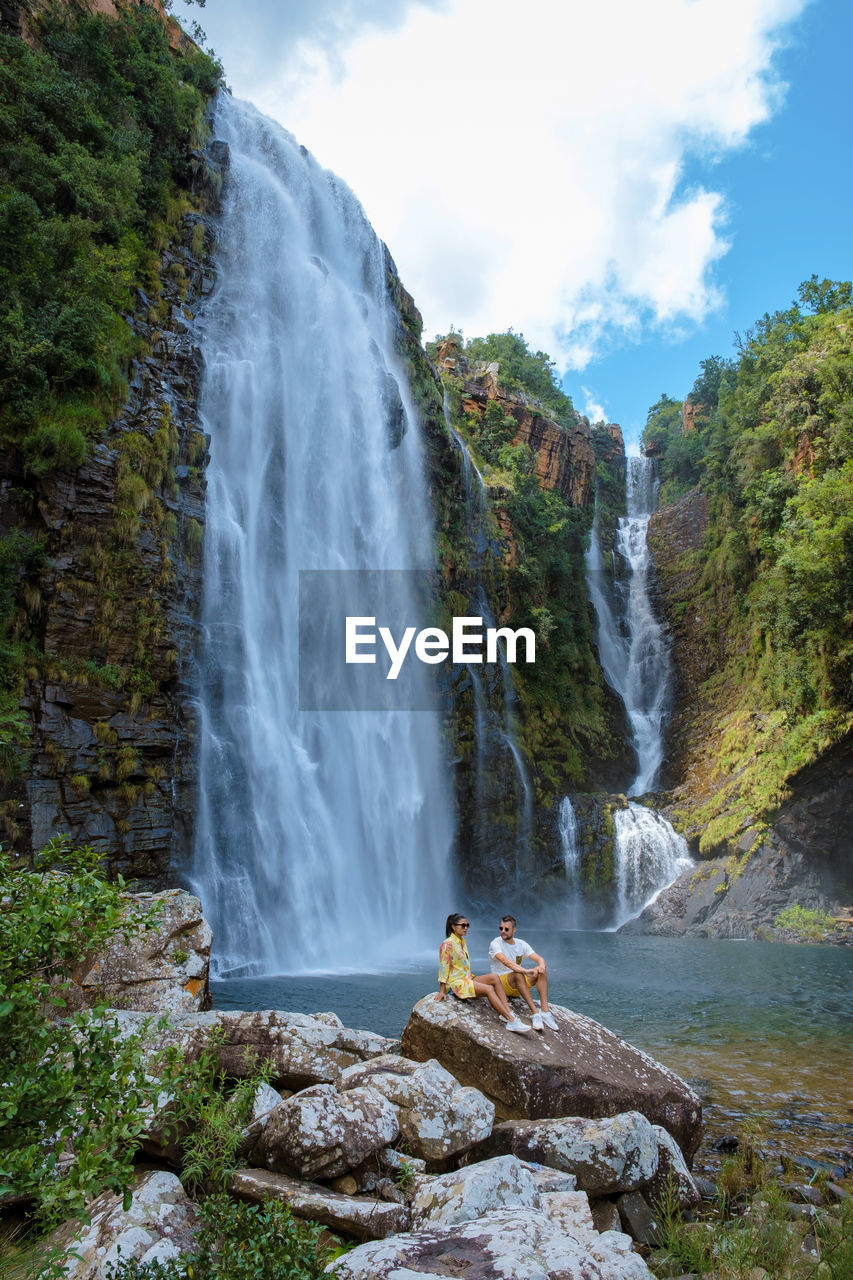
(506, 954)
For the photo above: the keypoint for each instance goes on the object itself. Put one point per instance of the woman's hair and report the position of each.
(451, 921)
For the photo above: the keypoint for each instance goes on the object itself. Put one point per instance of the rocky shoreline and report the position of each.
(540, 1155)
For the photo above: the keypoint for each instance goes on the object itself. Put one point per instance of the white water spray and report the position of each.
(323, 839)
(650, 854)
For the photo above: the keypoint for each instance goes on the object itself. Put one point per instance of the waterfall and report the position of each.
(649, 856)
(323, 838)
(569, 840)
(632, 645)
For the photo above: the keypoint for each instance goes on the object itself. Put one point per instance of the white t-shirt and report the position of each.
(516, 950)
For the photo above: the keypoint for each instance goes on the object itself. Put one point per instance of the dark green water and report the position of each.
(759, 1029)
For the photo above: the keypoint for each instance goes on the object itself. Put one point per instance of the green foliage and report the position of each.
(240, 1242)
(93, 129)
(773, 450)
(804, 921)
(208, 1113)
(72, 1090)
(532, 372)
(679, 454)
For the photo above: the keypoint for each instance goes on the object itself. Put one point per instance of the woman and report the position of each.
(454, 971)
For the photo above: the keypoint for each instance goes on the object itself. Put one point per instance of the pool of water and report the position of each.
(761, 1030)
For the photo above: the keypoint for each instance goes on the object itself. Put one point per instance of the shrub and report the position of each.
(803, 921)
(72, 1089)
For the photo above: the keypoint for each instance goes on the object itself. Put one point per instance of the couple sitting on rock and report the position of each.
(508, 977)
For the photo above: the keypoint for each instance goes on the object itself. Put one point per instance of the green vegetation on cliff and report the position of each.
(537, 576)
(93, 170)
(771, 445)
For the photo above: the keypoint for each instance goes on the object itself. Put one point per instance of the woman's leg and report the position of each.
(489, 985)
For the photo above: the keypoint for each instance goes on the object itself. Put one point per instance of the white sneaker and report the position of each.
(549, 1020)
(536, 1022)
(517, 1025)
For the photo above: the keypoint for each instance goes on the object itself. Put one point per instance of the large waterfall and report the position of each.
(323, 838)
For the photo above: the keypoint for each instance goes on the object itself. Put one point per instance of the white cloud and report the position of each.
(526, 167)
(592, 409)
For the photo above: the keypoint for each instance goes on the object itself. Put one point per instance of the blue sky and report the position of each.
(626, 184)
(790, 199)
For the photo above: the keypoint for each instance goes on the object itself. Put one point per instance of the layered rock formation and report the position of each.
(114, 611)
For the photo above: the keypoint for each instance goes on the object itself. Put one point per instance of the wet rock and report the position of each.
(467, 1194)
(581, 1069)
(520, 1243)
(322, 1133)
(438, 1116)
(363, 1218)
(162, 971)
(160, 1224)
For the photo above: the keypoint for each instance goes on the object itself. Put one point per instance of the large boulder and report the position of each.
(438, 1116)
(160, 970)
(468, 1193)
(320, 1133)
(581, 1069)
(524, 1244)
(160, 1224)
(618, 1153)
(361, 1217)
(302, 1050)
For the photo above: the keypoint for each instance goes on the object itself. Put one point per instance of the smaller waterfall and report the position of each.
(649, 854)
(569, 840)
(631, 641)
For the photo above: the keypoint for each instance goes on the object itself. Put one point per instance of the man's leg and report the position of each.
(546, 1015)
(520, 984)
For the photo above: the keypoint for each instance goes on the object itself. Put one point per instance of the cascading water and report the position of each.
(649, 856)
(569, 840)
(323, 839)
(632, 645)
(634, 653)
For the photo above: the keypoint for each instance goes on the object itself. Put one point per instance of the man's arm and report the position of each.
(538, 961)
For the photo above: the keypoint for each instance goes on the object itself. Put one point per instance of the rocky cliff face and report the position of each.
(799, 855)
(114, 610)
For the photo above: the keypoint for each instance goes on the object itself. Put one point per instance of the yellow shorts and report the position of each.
(531, 978)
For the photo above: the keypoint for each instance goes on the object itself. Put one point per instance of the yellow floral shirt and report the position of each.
(454, 968)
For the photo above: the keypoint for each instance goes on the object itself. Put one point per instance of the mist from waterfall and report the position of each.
(323, 838)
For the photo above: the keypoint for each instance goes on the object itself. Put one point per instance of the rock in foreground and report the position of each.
(582, 1069)
(524, 1244)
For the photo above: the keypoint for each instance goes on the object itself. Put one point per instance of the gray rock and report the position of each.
(322, 1133)
(160, 1224)
(521, 1244)
(162, 971)
(581, 1069)
(605, 1156)
(637, 1217)
(301, 1050)
(438, 1116)
(363, 1218)
(469, 1193)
